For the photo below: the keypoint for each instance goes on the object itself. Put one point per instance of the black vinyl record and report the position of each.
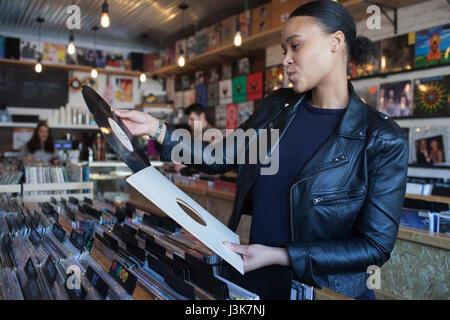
(115, 132)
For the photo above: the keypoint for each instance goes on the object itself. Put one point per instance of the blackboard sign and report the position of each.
(21, 86)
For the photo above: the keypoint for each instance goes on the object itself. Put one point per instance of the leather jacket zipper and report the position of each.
(337, 196)
(304, 179)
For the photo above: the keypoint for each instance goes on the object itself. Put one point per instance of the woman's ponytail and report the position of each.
(362, 50)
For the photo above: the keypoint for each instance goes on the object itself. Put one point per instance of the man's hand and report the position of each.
(256, 256)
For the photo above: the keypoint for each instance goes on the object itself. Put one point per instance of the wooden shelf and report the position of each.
(69, 67)
(54, 126)
(225, 53)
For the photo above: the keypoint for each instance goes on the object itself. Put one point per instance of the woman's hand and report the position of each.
(256, 256)
(139, 123)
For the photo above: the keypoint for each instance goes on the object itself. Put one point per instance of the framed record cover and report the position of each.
(221, 117)
(432, 46)
(201, 95)
(213, 94)
(255, 86)
(30, 50)
(232, 116)
(240, 89)
(431, 145)
(395, 99)
(54, 53)
(225, 91)
(431, 97)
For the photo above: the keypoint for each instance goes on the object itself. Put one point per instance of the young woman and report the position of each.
(40, 147)
(333, 208)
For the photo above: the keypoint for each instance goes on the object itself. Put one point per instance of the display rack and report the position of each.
(79, 189)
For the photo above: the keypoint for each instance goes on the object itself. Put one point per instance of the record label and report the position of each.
(120, 135)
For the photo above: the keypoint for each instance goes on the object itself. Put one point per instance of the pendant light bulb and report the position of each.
(181, 60)
(71, 46)
(238, 39)
(142, 77)
(38, 67)
(105, 21)
(94, 73)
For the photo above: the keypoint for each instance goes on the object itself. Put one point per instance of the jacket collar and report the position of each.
(353, 122)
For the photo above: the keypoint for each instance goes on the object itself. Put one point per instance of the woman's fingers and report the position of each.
(242, 249)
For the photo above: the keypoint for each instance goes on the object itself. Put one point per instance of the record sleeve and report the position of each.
(115, 132)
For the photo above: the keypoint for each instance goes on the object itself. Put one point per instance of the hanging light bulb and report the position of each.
(94, 73)
(181, 60)
(38, 66)
(104, 19)
(142, 77)
(71, 46)
(237, 39)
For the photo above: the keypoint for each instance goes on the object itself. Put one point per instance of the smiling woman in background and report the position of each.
(40, 147)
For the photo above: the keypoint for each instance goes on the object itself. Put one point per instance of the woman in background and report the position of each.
(40, 147)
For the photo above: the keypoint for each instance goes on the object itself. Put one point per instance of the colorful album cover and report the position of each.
(225, 91)
(124, 90)
(432, 46)
(113, 60)
(372, 67)
(30, 50)
(213, 94)
(240, 89)
(2, 47)
(431, 97)
(430, 150)
(54, 53)
(396, 54)
(201, 95)
(255, 86)
(245, 110)
(274, 79)
(213, 74)
(395, 99)
(221, 117)
(243, 66)
(232, 116)
(367, 93)
(227, 71)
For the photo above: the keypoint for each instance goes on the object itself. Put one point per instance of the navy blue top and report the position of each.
(271, 201)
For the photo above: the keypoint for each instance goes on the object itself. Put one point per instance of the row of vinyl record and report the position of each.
(94, 249)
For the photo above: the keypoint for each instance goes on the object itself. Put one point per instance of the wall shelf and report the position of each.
(54, 126)
(69, 67)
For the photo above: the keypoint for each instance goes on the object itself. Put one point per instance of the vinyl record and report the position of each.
(115, 132)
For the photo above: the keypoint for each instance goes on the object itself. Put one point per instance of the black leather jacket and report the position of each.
(347, 201)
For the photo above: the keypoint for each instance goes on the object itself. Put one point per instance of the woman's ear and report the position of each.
(337, 41)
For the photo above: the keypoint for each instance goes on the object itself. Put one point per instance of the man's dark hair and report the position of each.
(195, 107)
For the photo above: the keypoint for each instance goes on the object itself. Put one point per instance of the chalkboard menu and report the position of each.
(21, 86)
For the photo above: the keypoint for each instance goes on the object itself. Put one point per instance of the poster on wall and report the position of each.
(221, 117)
(30, 50)
(54, 53)
(395, 99)
(430, 150)
(232, 116)
(432, 46)
(124, 90)
(432, 97)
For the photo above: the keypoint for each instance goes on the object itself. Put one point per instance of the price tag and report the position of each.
(126, 279)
